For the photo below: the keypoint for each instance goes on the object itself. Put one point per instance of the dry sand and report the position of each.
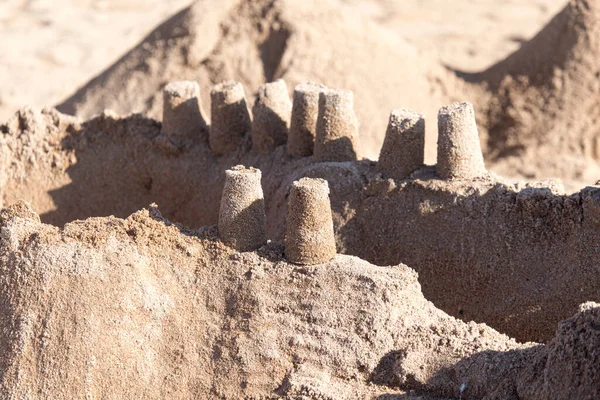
(496, 243)
(527, 107)
(142, 307)
(139, 306)
(49, 48)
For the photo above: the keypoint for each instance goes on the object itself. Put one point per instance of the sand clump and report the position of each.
(271, 115)
(309, 237)
(403, 149)
(541, 119)
(242, 223)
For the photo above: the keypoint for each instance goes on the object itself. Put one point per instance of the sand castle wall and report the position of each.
(143, 307)
(519, 258)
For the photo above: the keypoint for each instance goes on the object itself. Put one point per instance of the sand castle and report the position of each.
(459, 151)
(145, 307)
(447, 226)
(337, 127)
(303, 125)
(403, 150)
(297, 315)
(271, 116)
(183, 115)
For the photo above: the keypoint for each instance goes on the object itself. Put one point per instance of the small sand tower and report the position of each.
(271, 117)
(403, 149)
(242, 222)
(309, 237)
(337, 127)
(183, 115)
(303, 126)
(230, 119)
(459, 150)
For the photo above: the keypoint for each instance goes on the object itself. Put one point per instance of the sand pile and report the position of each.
(542, 117)
(259, 41)
(143, 307)
(536, 108)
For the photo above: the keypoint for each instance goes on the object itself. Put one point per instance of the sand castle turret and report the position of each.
(271, 116)
(403, 149)
(183, 115)
(459, 150)
(309, 237)
(337, 127)
(242, 221)
(303, 126)
(230, 119)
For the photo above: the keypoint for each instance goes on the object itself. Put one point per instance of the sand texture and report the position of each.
(483, 247)
(207, 216)
(154, 310)
(299, 41)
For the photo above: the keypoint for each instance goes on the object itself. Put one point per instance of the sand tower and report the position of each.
(183, 115)
(242, 221)
(309, 237)
(271, 117)
(337, 127)
(459, 150)
(403, 149)
(230, 119)
(303, 126)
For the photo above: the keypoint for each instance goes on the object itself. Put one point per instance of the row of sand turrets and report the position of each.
(320, 122)
(309, 237)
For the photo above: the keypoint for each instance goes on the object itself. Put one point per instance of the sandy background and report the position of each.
(49, 48)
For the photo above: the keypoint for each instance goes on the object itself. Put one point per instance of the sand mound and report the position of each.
(536, 108)
(259, 41)
(144, 308)
(542, 117)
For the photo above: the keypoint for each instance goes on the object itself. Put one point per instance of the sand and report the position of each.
(486, 238)
(258, 42)
(50, 48)
(302, 290)
(144, 307)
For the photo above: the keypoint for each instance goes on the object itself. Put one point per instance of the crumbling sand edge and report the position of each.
(259, 319)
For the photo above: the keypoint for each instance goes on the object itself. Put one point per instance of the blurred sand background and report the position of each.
(49, 48)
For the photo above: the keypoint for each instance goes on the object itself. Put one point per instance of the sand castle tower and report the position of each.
(242, 221)
(271, 117)
(309, 237)
(459, 150)
(337, 127)
(183, 115)
(230, 119)
(303, 126)
(403, 149)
